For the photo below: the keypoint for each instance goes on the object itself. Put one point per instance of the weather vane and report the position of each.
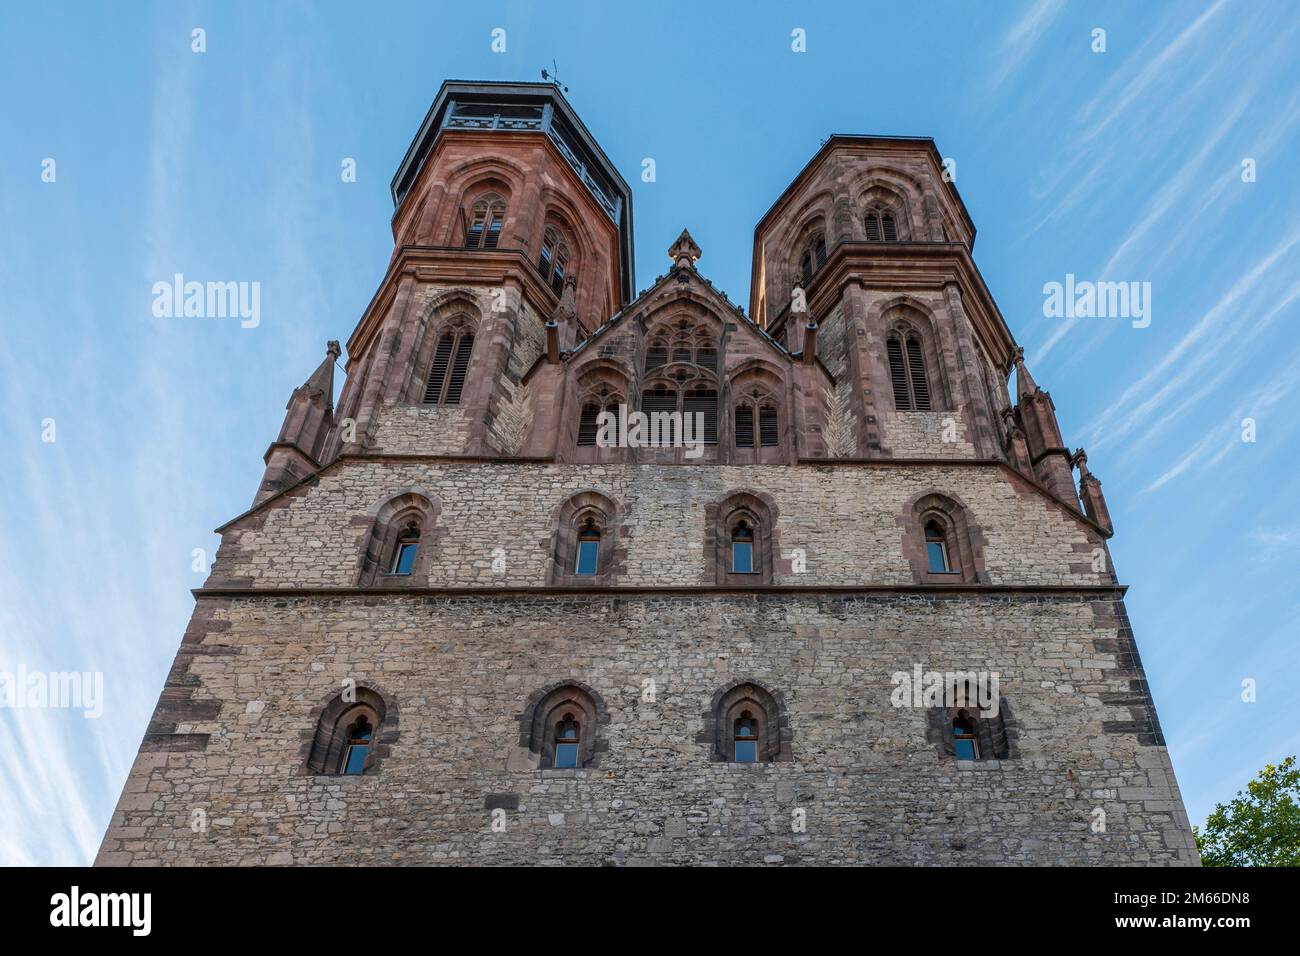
(554, 76)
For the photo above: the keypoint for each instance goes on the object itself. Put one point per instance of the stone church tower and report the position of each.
(867, 617)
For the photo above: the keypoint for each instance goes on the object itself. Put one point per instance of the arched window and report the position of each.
(974, 723)
(568, 738)
(936, 548)
(352, 733)
(586, 548)
(942, 543)
(400, 548)
(446, 379)
(560, 723)
(813, 258)
(745, 739)
(358, 746)
(747, 724)
(965, 737)
(408, 544)
(881, 226)
(483, 224)
(553, 262)
(907, 372)
(588, 559)
(742, 548)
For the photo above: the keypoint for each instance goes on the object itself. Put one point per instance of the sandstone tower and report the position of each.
(872, 620)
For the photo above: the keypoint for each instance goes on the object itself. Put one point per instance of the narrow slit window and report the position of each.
(567, 739)
(358, 747)
(936, 548)
(408, 545)
(588, 548)
(742, 549)
(746, 738)
(965, 741)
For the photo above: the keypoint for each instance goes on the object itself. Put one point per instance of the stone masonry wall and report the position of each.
(847, 520)
(873, 787)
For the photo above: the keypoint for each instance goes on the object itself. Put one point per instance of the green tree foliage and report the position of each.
(1260, 827)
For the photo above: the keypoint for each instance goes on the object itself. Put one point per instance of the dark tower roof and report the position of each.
(515, 107)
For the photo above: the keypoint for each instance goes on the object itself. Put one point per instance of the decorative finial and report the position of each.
(332, 349)
(684, 252)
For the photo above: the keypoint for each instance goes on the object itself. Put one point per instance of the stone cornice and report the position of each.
(617, 591)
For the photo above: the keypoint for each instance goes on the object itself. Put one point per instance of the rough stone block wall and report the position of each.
(872, 785)
(421, 429)
(926, 434)
(846, 518)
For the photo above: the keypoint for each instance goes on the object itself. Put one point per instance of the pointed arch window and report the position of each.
(588, 559)
(742, 548)
(746, 739)
(881, 226)
(353, 735)
(451, 356)
(408, 545)
(483, 224)
(746, 723)
(553, 262)
(936, 548)
(907, 372)
(568, 742)
(813, 258)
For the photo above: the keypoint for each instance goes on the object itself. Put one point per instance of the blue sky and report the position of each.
(225, 165)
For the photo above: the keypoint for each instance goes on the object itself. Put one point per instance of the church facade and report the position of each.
(850, 607)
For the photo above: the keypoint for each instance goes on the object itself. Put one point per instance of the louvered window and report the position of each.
(916, 365)
(587, 425)
(656, 356)
(553, 260)
(814, 258)
(483, 228)
(907, 375)
(703, 402)
(887, 226)
(744, 426)
(450, 363)
(881, 226)
(768, 436)
(681, 352)
(707, 357)
(898, 375)
(438, 372)
(658, 401)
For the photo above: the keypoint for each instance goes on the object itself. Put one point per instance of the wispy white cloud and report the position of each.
(1020, 40)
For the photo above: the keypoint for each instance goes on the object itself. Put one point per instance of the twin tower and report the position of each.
(873, 621)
